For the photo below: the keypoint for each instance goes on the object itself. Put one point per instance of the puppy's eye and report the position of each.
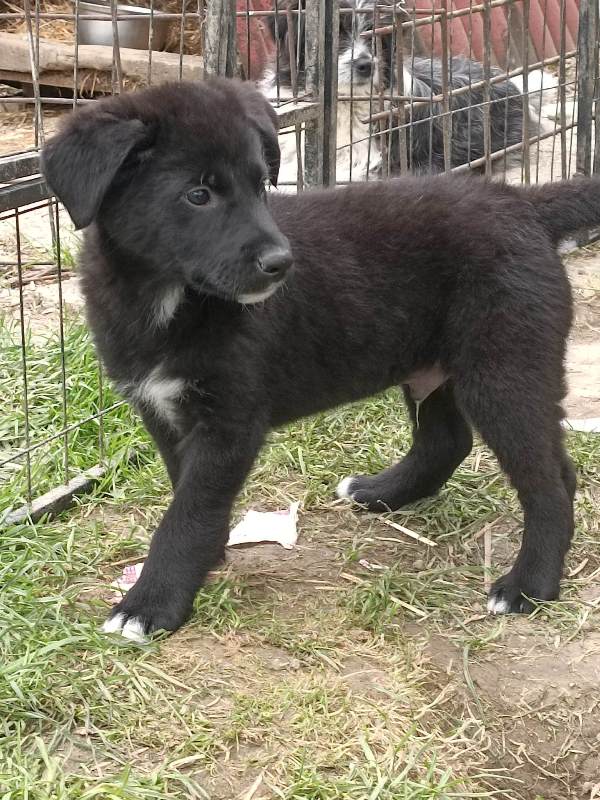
(199, 196)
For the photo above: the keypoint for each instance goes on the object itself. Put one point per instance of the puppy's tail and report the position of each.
(566, 207)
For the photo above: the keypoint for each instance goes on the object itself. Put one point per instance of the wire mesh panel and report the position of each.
(364, 90)
(488, 86)
(63, 425)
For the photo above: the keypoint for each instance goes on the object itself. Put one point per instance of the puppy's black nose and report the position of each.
(363, 67)
(275, 263)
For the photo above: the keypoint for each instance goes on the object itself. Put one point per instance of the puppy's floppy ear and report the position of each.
(261, 114)
(81, 162)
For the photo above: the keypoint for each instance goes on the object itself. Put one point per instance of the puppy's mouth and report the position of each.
(250, 298)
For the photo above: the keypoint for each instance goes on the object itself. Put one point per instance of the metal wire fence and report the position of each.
(364, 90)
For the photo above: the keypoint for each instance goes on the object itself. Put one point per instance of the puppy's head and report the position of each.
(358, 62)
(358, 68)
(175, 178)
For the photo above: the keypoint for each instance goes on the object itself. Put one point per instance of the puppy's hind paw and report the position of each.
(496, 605)
(506, 597)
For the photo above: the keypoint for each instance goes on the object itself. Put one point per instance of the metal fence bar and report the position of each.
(398, 41)
(25, 397)
(562, 81)
(447, 119)
(25, 452)
(588, 12)
(314, 136)
(525, 162)
(328, 80)
(61, 334)
(596, 61)
(487, 72)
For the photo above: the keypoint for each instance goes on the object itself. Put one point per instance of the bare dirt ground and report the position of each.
(510, 703)
(583, 361)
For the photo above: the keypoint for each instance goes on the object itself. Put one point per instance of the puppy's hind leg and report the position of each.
(518, 416)
(442, 439)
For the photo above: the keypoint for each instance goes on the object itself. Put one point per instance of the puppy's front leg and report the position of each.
(190, 540)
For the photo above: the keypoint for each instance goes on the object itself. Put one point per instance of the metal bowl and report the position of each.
(133, 33)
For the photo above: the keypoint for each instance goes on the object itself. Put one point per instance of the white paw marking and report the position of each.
(131, 629)
(114, 624)
(166, 306)
(497, 606)
(134, 630)
(343, 488)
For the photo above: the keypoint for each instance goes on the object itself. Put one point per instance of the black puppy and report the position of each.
(449, 287)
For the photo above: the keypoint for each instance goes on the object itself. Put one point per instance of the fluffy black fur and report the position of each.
(425, 137)
(447, 280)
(422, 78)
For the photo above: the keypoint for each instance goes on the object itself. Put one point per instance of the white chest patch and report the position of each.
(166, 305)
(161, 394)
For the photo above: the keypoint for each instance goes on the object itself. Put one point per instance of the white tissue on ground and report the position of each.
(590, 425)
(279, 527)
(267, 526)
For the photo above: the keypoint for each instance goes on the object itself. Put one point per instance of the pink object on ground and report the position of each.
(130, 575)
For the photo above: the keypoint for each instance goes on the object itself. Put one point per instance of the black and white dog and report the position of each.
(360, 74)
(450, 287)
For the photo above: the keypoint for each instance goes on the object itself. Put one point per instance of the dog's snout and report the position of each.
(363, 67)
(275, 263)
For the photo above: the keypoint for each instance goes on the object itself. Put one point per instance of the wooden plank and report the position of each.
(23, 193)
(295, 113)
(58, 57)
(88, 80)
(314, 55)
(20, 166)
(56, 500)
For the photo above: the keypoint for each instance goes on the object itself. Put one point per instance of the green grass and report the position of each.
(263, 680)
(43, 372)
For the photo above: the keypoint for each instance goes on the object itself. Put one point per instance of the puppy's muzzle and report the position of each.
(275, 263)
(363, 67)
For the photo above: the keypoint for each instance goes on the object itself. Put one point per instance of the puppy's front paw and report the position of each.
(133, 628)
(148, 607)
(512, 595)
